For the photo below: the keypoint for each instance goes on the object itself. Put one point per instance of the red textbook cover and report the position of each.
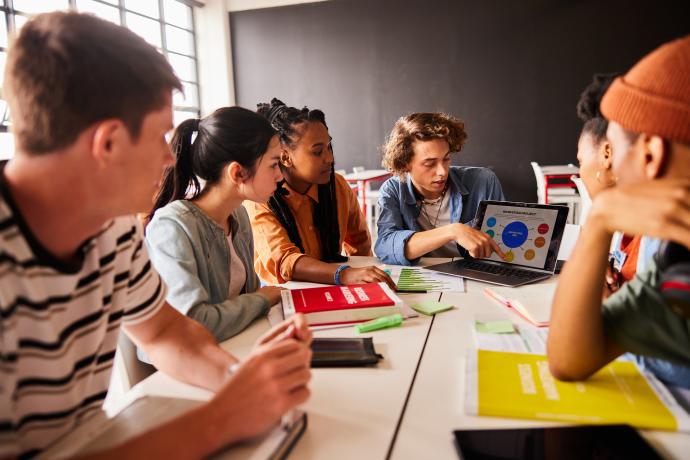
(341, 304)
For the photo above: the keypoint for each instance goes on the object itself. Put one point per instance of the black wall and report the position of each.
(512, 69)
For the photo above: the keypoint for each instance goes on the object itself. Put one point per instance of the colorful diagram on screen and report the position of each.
(523, 234)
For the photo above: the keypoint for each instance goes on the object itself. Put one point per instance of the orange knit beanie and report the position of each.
(654, 96)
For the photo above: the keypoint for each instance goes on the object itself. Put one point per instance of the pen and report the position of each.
(411, 291)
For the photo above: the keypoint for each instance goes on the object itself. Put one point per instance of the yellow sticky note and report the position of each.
(431, 307)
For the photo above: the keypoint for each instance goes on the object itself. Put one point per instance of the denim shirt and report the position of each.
(192, 255)
(399, 208)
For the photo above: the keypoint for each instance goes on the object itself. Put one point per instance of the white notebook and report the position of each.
(100, 432)
(531, 301)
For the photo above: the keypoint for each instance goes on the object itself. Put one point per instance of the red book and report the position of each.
(341, 304)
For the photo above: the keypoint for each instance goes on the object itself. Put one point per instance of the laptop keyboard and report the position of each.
(498, 270)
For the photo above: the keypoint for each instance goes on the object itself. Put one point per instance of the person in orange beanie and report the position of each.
(649, 131)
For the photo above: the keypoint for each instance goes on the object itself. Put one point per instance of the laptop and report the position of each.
(529, 234)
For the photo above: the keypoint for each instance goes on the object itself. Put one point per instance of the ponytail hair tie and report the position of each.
(189, 126)
(194, 124)
(277, 107)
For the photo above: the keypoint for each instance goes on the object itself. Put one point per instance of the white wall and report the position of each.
(214, 51)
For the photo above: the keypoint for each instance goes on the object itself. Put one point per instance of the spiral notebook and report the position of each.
(100, 432)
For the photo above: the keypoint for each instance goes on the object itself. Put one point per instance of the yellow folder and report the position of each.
(520, 386)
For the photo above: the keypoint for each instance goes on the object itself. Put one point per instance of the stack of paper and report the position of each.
(420, 279)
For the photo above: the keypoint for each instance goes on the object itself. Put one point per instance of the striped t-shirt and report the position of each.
(59, 325)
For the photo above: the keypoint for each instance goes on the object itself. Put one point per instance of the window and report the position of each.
(166, 24)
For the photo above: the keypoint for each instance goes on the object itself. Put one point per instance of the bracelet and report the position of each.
(336, 277)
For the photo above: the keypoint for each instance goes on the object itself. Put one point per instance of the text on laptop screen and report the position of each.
(523, 233)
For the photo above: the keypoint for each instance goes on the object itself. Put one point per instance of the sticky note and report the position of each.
(431, 307)
(495, 327)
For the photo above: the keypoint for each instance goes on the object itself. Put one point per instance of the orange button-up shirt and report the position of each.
(275, 255)
(631, 247)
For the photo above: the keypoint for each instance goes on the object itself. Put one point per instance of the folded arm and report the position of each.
(578, 343)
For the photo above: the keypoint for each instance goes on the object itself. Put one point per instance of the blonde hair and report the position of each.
(423, 126)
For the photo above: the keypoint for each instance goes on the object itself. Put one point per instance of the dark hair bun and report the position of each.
(588, 106)
(273, 112)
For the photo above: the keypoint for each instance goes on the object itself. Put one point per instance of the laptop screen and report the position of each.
(529, 234)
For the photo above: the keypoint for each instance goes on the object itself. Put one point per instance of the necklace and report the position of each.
(433, 202)
(438, 201)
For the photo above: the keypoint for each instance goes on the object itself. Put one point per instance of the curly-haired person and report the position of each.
(427, 208)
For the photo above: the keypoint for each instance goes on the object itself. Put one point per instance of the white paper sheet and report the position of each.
(533, 300)
(527, 339)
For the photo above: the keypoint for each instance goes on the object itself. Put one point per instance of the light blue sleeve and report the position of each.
(172, 253)
(392, 233)
(648, 248)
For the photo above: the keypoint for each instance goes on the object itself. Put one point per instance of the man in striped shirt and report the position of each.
(91, 105)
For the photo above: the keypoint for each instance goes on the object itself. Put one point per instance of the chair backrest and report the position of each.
(539, 177)
(585, 199)
(131, 369)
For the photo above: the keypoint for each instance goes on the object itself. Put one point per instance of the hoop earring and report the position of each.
(610, 181)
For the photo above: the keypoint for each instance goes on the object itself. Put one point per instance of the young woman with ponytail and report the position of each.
(301, 232)
(199, 237)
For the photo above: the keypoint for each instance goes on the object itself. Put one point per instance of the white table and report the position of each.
(367, 175)
(436, 403)
(362, 178)
(355, 412)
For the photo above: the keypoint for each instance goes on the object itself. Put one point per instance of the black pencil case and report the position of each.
(343, 352)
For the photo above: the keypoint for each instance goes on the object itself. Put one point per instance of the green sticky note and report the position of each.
(431, 307)
(495, 327)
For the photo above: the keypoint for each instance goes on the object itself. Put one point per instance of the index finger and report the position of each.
(302, 331)
(497, 248)
(389, 281)
(378, 271)
(276, 331)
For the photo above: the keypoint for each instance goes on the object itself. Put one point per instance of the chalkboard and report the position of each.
(512, 69)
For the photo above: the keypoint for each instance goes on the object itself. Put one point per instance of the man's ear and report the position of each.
(107, 139)
(656, 155)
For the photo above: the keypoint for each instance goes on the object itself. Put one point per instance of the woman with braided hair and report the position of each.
(301, 233)
(199, 238)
